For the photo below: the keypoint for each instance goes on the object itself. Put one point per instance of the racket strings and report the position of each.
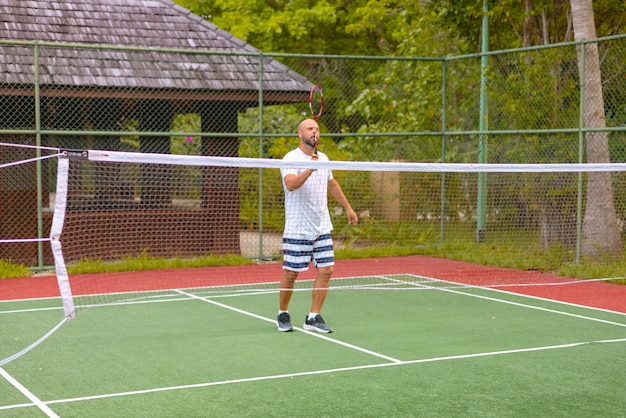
(316, 102)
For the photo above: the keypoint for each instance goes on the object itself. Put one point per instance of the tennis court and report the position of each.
(407, 342)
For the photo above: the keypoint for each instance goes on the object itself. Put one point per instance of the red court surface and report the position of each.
(594, 294)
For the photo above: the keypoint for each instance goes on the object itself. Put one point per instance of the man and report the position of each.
(307, 227)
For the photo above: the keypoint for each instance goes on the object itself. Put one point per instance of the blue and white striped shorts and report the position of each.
(298, 253)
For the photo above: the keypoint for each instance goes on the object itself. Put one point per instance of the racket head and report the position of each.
(316, 101)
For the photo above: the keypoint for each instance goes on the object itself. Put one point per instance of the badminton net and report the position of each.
(173, 221)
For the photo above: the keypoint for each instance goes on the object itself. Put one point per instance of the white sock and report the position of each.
(279, 312)
(312, 315)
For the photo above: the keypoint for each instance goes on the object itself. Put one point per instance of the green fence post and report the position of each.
(443, 150)
(40, 260)
(581, 153)
(260, 154)
(481, 202)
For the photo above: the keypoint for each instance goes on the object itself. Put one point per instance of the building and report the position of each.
(89, 65)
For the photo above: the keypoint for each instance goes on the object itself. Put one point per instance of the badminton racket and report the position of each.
(316, 102)
(316, 105)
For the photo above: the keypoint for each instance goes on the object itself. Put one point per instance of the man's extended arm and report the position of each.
(337, 192)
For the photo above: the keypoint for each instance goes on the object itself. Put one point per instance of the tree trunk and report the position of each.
(600, 227)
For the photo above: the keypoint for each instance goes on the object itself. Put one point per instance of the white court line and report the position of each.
(36, 401)
(523, 305)
(392, 361)
(576, 305)
(102, 305)
(58, 308)
(273, 321)
(318, 372)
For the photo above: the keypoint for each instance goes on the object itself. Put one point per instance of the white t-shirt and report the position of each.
(306, 208)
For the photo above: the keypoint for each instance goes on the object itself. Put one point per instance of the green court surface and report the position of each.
(429, 349)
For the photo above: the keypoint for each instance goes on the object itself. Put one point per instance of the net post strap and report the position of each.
(55, 238)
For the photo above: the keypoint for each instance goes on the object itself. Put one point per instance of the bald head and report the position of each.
(309, 134)
(306, 123)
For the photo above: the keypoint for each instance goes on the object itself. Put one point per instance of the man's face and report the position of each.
(309, 133)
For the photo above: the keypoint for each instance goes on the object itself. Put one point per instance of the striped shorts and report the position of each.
(298, 253)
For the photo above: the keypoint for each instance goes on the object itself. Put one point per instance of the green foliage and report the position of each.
(186, 145)
(534, 90)
(145, 261)
(370, 230)
(265, 186)
(388, 92)
(9, 270)
(366, 27)
(383, 250)
(507, 255)
(510, 252)
(511, 26)
(405, 96)
(129, 142)
(306, 26)
(596, 268)
(610, 16)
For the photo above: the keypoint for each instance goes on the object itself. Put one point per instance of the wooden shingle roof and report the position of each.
(157, 27)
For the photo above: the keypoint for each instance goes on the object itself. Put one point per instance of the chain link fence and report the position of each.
(528, 110)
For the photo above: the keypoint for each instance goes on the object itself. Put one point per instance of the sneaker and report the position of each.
(317, 324)
(284, 322)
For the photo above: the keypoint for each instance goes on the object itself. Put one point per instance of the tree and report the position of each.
(542, 22)
(514, 24)
(306, 26)
(535, 90)
(343, 27)
(600, 225)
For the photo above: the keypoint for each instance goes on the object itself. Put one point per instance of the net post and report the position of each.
(56, 230)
